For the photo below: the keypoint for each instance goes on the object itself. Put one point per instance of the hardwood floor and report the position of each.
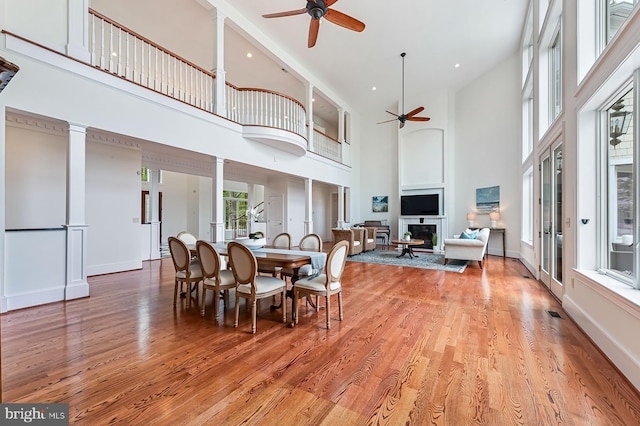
(416, 347)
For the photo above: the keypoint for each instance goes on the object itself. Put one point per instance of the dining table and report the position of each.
(277, 257)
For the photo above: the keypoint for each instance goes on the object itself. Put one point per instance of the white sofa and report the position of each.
(465, 249)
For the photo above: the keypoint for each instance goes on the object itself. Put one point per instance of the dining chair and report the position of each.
(187, 272)
(281, 241)
(215, 278)
(250, 285)
(187, 237)
(310, 242)
(326, 284)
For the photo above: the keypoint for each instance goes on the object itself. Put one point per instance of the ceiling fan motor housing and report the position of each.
(316, 9)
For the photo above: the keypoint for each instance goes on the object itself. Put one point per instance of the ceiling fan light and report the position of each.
(316, 12)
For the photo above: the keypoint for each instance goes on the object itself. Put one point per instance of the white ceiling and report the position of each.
(435, 34)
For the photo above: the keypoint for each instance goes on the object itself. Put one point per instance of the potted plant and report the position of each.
(407, 235)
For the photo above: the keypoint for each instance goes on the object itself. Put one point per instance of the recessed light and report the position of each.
(456, 66)
(114, 54)
(313, 99)
(374, 88)
(249, 55)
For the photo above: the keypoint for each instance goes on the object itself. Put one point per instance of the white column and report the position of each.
(220, 104)
(78, 30)
(340, 207)
(76, 277)
(217, 201)
(309, 107)
(3, 297)
(154, 208)
(308, 206)
(341, 133)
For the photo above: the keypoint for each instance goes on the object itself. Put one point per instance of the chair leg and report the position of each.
(340, 305)
(188, 294)
(253, 316)
(480, 263)
(284, 305)
(216, 301)
(235, 324)
(328, 309)
(295, 304)
(204, 300)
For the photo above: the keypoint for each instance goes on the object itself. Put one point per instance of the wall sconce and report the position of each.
(618, 122)
(7, 71)
(494, 216)
(470, 217)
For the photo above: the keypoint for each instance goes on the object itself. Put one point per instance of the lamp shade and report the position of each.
(494, 216)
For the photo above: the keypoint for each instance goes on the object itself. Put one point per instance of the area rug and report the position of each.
(424, 260)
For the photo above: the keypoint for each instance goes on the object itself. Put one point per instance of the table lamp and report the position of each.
(470, 217)
(494, 216)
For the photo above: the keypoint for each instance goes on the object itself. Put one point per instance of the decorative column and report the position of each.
(154, 208)
(3, 297)
(341, 133)
(309, 107)
(78, 30)
(340, 207)
(76, 276)
(308, 206)
(220, 104)
(217, 201)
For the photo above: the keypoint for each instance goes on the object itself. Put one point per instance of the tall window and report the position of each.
(235, 211)
(620, 175)
(555, 78)
(527, 207)
(617, 11)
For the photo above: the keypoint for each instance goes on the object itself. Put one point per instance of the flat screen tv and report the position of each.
(420, 205)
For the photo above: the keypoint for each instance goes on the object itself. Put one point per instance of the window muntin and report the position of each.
(620, 197)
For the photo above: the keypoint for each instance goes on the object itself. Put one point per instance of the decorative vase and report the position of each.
(407, 237)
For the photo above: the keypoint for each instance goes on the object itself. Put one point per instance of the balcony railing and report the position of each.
(265, 108)
(326, 146)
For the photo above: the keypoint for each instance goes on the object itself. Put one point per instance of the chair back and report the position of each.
(209, 259)
(311, 242)
(336, 260)
(282, 240)
(243, 263)
(179, 254)
(187, 237)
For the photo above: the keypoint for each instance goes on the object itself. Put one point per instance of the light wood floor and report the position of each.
(416, 347)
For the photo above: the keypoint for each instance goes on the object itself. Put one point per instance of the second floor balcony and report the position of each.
(267, 116)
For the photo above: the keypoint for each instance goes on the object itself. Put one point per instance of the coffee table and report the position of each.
(407, 246)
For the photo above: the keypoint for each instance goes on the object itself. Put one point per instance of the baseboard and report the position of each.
(109, 268)
(34, 298)
(529, 266)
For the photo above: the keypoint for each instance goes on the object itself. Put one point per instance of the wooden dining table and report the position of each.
(273, 257)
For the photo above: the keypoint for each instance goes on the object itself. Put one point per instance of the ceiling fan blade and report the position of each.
(314, 26)
(329, 3)
(343, 20)
(392, 113)
(288, 13)
(419, 118)
(388, 121)
(415, 111)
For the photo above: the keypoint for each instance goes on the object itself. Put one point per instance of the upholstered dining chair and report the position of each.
(250, 285)
(216, 279)
(310, 242)
(326, 284)
(187, 272)
(187, 237)
(281, 241)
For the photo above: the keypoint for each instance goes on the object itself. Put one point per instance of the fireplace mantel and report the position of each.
(440, 222)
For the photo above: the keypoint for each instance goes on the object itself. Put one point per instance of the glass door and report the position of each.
(551, 212)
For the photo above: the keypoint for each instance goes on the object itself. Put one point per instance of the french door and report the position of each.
(551, 213)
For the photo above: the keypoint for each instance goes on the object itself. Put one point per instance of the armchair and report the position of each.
(382, 231)
(352, 236)
(369, 239)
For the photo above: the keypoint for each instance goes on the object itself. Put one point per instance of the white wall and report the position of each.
(175, 197)
(487, 150)
(35, 193)
(113, 207)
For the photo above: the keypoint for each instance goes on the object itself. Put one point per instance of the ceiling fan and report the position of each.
(319, 9)
(411, 115)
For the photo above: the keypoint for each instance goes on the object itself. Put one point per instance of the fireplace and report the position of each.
(422, 232)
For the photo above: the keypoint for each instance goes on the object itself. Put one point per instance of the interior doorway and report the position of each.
(145, 214)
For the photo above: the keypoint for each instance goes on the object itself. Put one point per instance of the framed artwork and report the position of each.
(488, 199)
(380, 204)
